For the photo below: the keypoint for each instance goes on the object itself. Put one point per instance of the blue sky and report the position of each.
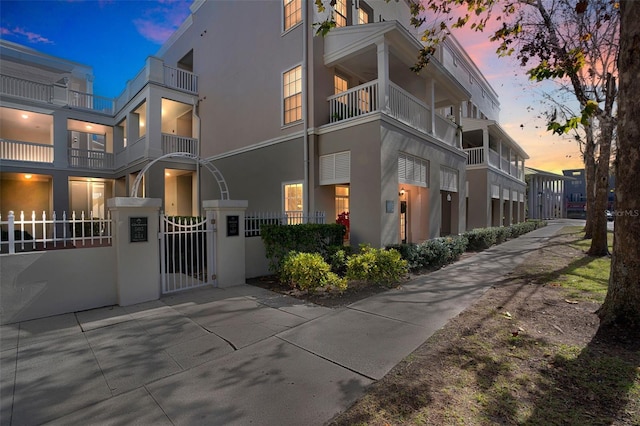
(112, 36)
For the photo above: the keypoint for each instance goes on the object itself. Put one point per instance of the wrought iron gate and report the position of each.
(186, 252)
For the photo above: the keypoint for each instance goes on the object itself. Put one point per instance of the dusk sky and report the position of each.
(114, 37)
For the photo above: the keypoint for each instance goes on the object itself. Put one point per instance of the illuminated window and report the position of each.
(340, 84)
(292, 13)
(342, 199)
(292, 91)
(341, 13)
(365, 14)
(293, 202)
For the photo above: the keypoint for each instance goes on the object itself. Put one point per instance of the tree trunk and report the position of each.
(622, 305)
(599, 245)
(590, 179)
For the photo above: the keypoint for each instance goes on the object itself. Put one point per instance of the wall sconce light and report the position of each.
(449, 197)
(401, 193)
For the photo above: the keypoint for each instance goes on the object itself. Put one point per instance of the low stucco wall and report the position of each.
(256, 264)
(45, 283)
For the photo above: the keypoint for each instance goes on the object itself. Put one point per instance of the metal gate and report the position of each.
(186, 252)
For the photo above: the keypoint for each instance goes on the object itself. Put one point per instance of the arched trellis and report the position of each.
(222, 184)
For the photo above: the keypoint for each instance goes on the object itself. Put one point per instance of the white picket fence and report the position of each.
(253, 221)
(37, 232)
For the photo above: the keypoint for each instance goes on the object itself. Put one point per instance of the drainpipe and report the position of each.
(305, 86)
(196, 106)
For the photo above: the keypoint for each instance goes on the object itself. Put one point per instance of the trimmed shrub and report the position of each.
(309, 271)
(279, 240)
(432, 254)
(377, 266)
(480, 239)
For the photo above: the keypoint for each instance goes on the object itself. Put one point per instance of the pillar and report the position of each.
(135, 238)
(229, 245)
(383, 74)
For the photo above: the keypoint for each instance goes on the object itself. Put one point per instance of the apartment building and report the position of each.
(496, 186)
(281, 117)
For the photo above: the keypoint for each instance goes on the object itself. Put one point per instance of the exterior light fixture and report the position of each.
(401, 193)
(28, 176)
(448, 197)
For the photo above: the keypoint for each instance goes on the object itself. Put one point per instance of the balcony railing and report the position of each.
(402, 106)
(172, 143)
(18, 87)
(408, 109)
(180, 79)
(88, 159)
(475, 156)
(25, 151)
(494, 158)
(91, 102)
(354, 102)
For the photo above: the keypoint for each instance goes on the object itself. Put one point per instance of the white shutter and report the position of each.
(335, 168)
(522, 197)
(495, 191)
(448, 179)
(514, 195)
(413, 170)
(505, 193)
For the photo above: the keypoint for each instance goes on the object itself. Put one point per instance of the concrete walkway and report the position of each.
(241, 355)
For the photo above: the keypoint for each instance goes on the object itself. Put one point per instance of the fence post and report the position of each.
(11, 230)
(229, 249)
(135, 239)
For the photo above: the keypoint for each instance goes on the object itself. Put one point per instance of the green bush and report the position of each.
(480, 238)
(377, 266)
(432, 254)
(309, 271)
(279, 240)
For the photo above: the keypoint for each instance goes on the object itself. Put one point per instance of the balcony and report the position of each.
(90, 159)
(476, 157)
(404, 107)
(173, 143)
(60, 94)
(25, 151)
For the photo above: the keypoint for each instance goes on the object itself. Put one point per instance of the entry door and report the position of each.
(403, 222)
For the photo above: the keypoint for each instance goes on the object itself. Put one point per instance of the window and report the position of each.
(341, 13)
(292, 91)
(292, 13)
(340, 84)
(293, 202)
(365, 14)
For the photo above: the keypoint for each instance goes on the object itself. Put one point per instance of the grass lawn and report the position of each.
(526, 353)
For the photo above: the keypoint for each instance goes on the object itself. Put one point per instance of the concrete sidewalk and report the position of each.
(241, 355)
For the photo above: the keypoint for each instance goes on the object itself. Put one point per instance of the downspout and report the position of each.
(305, 118)
(196, 107)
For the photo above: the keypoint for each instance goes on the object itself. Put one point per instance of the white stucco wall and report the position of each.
(45, 283)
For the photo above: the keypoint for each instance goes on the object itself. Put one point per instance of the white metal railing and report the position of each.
(25, 151)
(88, 159)
(27, 89)
(408, 109)
(475, 156)
(91, 102)
(253, 221)
(42, 233)
(133, 87)
(180, 79)
(173, 143)
(354, 102)
(494, 158)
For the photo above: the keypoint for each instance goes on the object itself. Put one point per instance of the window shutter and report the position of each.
(495, 191)
(413, 170)
(335, 168)
(448, 179)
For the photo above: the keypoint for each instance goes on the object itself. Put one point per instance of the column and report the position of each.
(383, 75)
(229, 246)
(135, 239)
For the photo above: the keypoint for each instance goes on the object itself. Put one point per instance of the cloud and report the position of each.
(158, 23)
(22, 34)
